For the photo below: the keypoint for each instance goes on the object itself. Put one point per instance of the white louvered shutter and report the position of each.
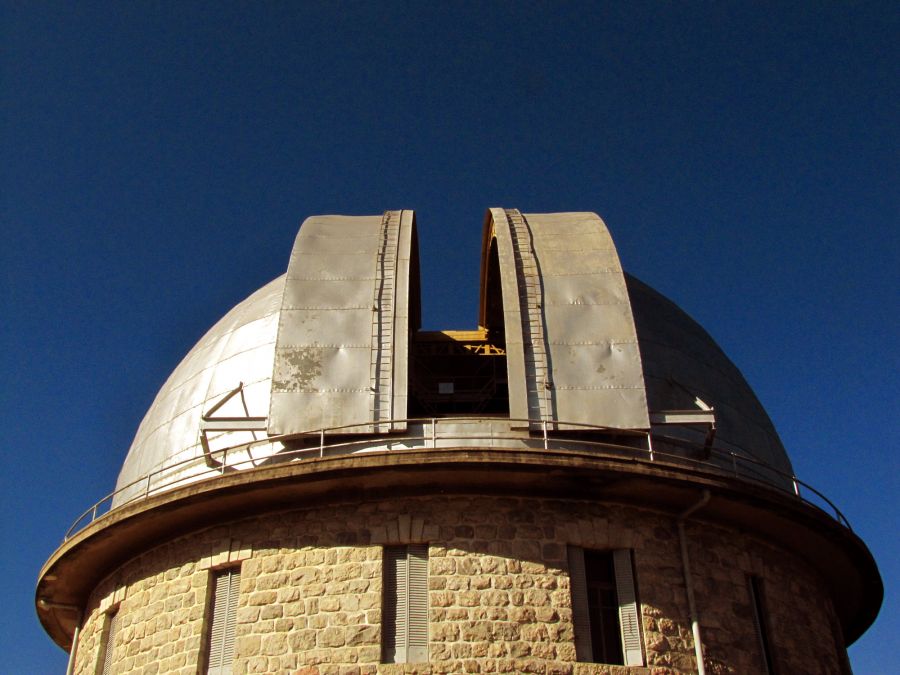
(111, 629)
(629, 621)
(405, 611)
(417, 603)
(222, 626)
(758, 624)
(394, 609)
(580, 613)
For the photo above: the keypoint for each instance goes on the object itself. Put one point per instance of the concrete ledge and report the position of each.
(841, 558)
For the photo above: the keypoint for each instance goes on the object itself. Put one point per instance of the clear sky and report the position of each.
(158, 158)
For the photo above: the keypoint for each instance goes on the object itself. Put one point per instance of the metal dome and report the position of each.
(232, 366)
(237, 349)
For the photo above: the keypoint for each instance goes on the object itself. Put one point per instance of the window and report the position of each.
(404, 629)
(108, 641)
(604, 607)
(220, 631)
(761, 624)
(840, 645)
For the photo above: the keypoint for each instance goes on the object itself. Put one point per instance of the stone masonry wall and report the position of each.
(499, 597)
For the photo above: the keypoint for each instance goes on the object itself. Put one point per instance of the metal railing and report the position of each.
(444, 432)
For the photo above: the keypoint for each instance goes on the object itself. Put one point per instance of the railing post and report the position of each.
(94, 513)
(321, 443)
(147, 491)
(650, 445)
(433, 434)
(544, 424)
(796, 485)
(224, 460)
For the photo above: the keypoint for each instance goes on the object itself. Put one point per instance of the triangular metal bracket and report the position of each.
(209, 423)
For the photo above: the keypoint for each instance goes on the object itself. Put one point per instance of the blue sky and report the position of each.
(159, 157)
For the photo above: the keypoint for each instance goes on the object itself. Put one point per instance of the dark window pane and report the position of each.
(603, 607)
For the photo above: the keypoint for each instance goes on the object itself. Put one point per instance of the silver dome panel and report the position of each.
(572, 350)
(239, 348)
(343, 334)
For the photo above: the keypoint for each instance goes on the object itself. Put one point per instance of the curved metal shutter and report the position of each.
(343, 334)
(571, 344)
(222, 623)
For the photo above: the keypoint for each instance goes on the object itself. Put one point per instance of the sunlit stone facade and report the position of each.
(499, 595)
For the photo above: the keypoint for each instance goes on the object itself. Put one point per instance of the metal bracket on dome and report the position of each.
(703, 415)
(224, 424)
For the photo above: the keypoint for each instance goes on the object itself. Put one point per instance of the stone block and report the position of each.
(302, 640)
(262, 598)
(246, 646)
(360, 635)
(247, 614)
(331, 637)
(273, 611)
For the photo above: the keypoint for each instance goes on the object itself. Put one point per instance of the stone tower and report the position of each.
(584, 484)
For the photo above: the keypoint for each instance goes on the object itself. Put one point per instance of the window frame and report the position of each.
(107, 645)
(221, 615)
(761, 624)
(404, 612)
(625, 586)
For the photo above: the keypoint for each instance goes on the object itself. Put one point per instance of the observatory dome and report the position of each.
(321, 485)
(682, 366)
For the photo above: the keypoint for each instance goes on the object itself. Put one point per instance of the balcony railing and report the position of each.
(463, 432)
